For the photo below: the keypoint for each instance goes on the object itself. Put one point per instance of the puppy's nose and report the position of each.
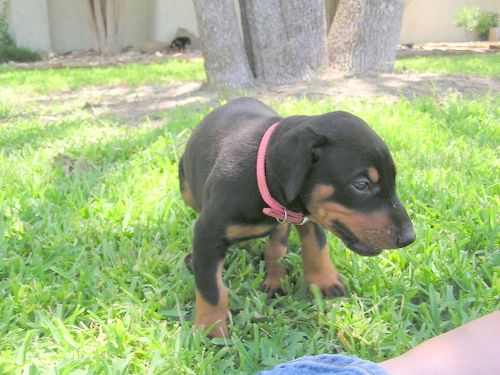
(406, 236)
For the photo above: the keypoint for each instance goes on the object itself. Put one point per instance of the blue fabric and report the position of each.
(326, 364)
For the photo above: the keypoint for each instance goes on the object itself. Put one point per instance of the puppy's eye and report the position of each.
(361, 184)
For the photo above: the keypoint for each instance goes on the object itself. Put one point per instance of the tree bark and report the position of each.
(106, 18)
(247, 36)
(226, 63)
(287, 38)
(114, 25)
(364, 35)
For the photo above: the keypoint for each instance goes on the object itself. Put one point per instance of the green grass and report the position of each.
(93, 233)
(46, 81)
(470, 65)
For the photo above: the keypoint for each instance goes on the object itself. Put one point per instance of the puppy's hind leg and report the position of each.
(211, 293)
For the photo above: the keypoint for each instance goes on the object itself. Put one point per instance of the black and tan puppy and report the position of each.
(332, 168)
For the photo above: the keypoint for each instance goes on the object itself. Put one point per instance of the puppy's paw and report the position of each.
(215, 330)
(331, 287)
(272, 289)
(334, 290)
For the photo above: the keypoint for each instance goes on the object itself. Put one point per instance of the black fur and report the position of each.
(180, 43)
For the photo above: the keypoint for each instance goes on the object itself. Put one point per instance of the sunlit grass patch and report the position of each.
(44, 81)
(470, 64)
(93, 233)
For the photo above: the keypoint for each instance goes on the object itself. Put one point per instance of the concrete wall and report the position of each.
(70, 29)
(29, 24)
(433, 20)
(169, 15)
(138, 20)
(69, 26)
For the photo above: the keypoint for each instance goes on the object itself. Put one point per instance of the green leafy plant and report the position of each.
(8, 49)
(474, 19)
(19, 54)
(5, 38)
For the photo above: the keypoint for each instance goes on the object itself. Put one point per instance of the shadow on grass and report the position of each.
(80, 173)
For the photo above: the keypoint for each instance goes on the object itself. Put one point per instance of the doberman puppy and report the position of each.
(332, 168)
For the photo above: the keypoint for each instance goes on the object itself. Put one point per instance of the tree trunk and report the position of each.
(247, 36)
(226, 63)
(106, 18)
(287, 38)
(364, 35)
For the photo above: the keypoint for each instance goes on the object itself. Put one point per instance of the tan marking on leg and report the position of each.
(208, 315)
(187, 195)
(373, 175)
(234, 232)
(274, 252)
(318, 267)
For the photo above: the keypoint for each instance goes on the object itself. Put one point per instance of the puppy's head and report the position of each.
(341, 172)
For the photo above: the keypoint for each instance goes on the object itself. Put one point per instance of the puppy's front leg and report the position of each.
(318, 267)
(211, 293)
(276, 249)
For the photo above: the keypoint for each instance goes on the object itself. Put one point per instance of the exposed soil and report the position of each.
(134, 104)
(448, 48)
(80, 59)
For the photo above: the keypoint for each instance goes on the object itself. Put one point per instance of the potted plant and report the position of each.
(476, 22)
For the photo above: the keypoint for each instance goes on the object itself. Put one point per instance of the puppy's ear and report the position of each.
(291, 156)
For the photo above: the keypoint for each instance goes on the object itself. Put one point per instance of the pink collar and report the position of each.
(275, 209)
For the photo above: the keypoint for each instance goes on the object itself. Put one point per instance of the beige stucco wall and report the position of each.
(70, 30)
(29, 24)
(169, 15)
(433, 20)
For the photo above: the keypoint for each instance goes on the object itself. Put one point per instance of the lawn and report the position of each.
(93, 233)
(45, 81)
(469, 64)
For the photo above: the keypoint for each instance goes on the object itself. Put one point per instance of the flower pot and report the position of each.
(471, 35)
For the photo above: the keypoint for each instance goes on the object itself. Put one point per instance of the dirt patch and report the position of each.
(129, 56)
(390, 86)
(135, 104)
(82, 59)
(428, 49)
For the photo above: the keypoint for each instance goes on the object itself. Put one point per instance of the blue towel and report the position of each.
(326, 364)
